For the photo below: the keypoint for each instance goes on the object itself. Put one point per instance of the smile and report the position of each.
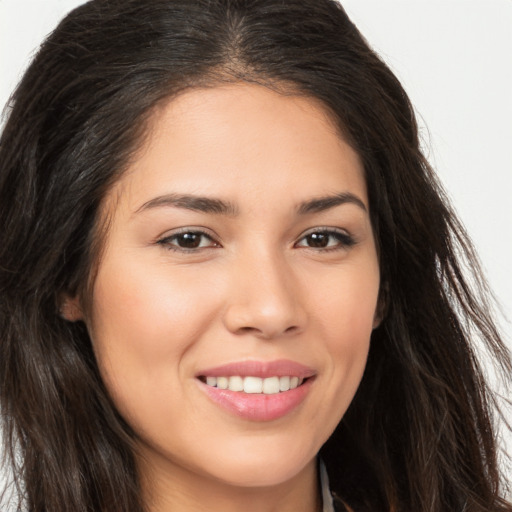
(255, 385)
(257, 390)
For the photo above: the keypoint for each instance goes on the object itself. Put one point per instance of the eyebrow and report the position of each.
(190, 202)
(216, 206)
(323, 203)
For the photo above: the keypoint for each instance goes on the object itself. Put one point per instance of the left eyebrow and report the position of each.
(323, 203)
(191, 202)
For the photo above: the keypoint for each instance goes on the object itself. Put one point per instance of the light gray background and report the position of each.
(454, 58)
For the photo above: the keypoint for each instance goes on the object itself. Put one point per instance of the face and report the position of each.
(236, 294)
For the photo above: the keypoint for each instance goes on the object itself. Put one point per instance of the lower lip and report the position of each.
(258, 406)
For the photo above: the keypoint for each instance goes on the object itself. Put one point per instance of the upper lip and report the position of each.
(263, 369)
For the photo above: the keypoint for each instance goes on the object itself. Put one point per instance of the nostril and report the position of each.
(247, 329)
(268, 333)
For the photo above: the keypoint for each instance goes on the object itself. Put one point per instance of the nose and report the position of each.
(265, 298)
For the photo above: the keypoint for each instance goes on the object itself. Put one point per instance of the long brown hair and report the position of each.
(419, 435)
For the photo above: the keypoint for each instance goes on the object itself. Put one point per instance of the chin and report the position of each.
(265, 466)
(260, 475)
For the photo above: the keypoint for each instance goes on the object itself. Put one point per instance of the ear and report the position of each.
(382, 305)
(70, 308)
(377, 318)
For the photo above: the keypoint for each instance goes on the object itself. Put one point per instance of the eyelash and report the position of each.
(344, 240)
(167, 241)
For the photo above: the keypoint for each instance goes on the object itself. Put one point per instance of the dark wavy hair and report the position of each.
(419, 435)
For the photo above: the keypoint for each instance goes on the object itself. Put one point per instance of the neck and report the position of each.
(180, 490)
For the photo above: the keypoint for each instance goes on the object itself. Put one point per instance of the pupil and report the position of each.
(189, 240)
(318, 240)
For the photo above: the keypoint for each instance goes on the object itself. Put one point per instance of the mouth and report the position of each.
(254, 385)
(258, 391)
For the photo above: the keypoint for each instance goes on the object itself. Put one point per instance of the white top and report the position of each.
(326, 491)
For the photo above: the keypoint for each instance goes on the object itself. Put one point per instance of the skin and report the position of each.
(256, 288)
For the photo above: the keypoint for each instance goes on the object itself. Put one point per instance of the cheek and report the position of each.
(346, 301)
(144, 324)
(345, 315)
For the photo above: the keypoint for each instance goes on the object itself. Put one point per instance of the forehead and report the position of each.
(232, 140)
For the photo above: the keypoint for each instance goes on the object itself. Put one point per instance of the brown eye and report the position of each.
(188, 241)
(327, 239)
(318, 240)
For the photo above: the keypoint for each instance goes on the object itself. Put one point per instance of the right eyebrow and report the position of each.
(201, 204)
(320, 204)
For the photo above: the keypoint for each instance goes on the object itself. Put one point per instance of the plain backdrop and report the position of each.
(454, 58)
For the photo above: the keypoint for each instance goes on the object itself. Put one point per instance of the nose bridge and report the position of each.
(264, 298)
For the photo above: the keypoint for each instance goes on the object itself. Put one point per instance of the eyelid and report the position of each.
(345, 238)
(164, 240)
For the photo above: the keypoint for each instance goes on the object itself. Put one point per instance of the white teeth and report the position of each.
(253, 385)
(268, 386)
(271, 385)
(236, 384)
(284, 383)
(222, 382)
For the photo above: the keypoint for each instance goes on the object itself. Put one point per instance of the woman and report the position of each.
(226, 266)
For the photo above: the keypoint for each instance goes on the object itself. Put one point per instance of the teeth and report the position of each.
(284, 383)
(253, 385)
(268, 386)
(222, 382)
(271, 385)
(236, 384)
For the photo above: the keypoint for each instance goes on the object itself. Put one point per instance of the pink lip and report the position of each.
(262, 369)
(259, 407)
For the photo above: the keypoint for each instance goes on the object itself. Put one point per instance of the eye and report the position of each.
(188, 240)
(326, 239)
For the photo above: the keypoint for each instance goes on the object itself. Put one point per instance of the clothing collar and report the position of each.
(328, 505)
